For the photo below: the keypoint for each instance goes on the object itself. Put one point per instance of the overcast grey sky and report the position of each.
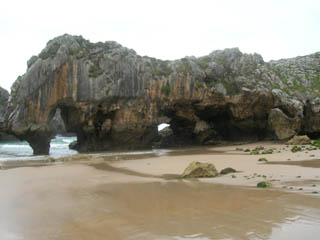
(165, 29)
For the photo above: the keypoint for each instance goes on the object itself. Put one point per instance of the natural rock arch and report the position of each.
(113, 98)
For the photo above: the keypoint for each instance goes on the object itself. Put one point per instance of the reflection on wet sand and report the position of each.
(81, 202)
(114, 156)
(305, 163)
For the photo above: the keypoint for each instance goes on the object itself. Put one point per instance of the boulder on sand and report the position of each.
(227, 170)
(299, 140)
(198, 170)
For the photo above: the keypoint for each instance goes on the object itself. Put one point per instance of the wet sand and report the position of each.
(128, 198)
(282, 166)
(306, 163)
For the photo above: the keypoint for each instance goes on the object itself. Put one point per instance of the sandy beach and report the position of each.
(137, 196)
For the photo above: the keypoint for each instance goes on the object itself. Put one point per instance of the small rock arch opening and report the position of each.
(64, 129)
(162, 126)
(164, 134)
(57, 124)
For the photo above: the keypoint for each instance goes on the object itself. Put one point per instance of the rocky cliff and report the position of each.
(114, 98)
(4, 96)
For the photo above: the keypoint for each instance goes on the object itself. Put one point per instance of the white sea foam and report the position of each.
(17, 150)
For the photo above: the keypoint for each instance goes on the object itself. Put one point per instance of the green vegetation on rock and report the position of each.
(51, 52)
(166, 89)
(95, 71)
(162, 70)
(184, 67)
(210, 84)
(203, 62)
(74, 51)
(200, 84)
(231, 87)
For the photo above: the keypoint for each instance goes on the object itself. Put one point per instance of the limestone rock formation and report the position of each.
(283, 126)
(57, 124)
(299, 140)
(4, 96)
(113, 98)
(198, 170)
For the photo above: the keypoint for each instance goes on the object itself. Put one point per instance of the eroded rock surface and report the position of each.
(4, 96)
(57, 124)
(299, 140)
(113, 98)
(284, 126)
(199, 170)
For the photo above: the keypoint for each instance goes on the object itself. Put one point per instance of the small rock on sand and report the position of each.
(198, 170)
(227, 170)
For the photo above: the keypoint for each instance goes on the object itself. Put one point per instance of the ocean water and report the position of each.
(59, 147)
(18, 150)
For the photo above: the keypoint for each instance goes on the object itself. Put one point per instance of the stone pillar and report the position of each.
(39, 137)
(40, 145)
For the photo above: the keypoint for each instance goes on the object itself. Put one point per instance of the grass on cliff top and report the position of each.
(297, 84)
(51, 52)
(203, 62)
(162, 70)
(184, 67)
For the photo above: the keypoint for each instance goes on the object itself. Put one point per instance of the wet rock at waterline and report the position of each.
(199, 170)
(112, 98)
(73, 145)
(165, 139)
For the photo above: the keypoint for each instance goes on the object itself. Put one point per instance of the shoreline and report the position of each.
(130, 197)
(286, 171)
